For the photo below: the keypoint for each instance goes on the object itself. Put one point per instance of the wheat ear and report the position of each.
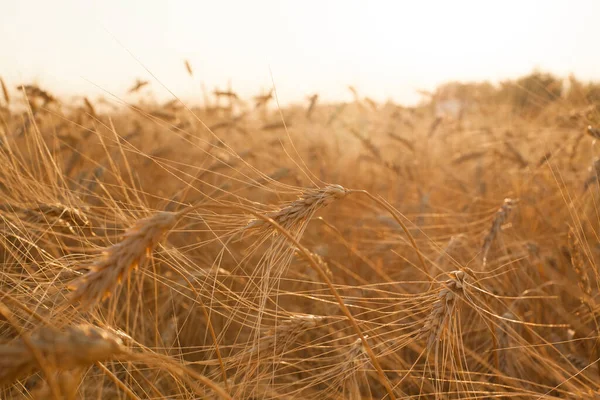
(68, 384)
(443, 308)
(347, 372)
(287, 332)
(504, 341)
(118, 260)
(74, 347)
(501, 216)
(303, 208)
(447, 253)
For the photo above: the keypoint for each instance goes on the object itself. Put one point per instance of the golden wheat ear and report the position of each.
(499, 219)
(68, 383)
(302, 209)
(76, 346)
(119, 259)
(443, 308)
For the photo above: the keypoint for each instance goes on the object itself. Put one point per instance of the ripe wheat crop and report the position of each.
(361, 250)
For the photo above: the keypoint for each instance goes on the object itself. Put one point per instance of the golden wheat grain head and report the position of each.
(118, 260)
(304, 207)
(73, 347)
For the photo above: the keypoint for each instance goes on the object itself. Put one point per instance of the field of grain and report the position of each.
(361, 250)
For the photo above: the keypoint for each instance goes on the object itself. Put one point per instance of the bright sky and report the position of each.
(386, 49)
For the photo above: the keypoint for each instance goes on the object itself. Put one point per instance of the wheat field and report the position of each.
(242, 250)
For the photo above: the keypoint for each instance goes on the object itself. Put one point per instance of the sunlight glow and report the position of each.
(386, 49)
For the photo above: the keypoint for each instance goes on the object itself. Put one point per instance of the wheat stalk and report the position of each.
(311, 106)
(447, 253)
(279, 337)
(405, 142)
(286, 332)
(188, 68)
(346, 373)
(434, 126)
(263, 99)
(517, 156)
(317, 258)
(443, 308)
(593, 132)
(119, 259)
(504, 339)
(355, 358)
(273, 343)
(464, 157)
(89, 107)
(501, 216)
(594, 173)
(370, 146)
(33, 91)
(578, 264)
(5, 91)
(60, 214)
(138, 85)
